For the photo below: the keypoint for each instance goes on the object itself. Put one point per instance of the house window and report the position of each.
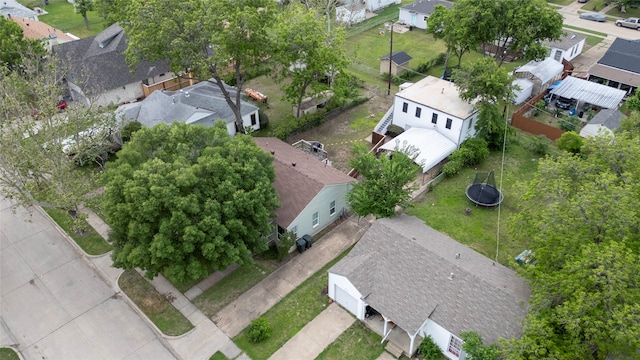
(470, 123)
(557, 55)
(332, 208)
(294, 230)
(455, 346)
(418, 111)
(405, 107)
(434, 118)
(253, 119)
(449, 121)
(316, 219)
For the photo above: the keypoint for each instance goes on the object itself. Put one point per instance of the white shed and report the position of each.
(522, 89)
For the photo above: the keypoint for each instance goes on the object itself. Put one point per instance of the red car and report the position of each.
(62, 105)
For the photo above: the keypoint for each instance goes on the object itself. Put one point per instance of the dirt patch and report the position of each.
(339, 133)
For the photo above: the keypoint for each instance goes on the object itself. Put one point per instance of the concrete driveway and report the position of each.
(53, 305)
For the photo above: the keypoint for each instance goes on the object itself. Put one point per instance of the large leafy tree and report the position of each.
(188, 199)
(111, 11)
(457, 38)
(579, 215)
(210, 38)
(82, 7)
(384, 182)
(306, 52)
(13, 47)
(34, 165)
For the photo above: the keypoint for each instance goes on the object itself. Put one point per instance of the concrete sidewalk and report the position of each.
(260, 298)
(312, 339)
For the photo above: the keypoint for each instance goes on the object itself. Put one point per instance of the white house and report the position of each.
(311, 192)
(351, 13)
(98, 71)
(430, 104)
(605, 122)
(201, 104)
(375, 5)
(417, 13)
(567, 47)
(422, 282)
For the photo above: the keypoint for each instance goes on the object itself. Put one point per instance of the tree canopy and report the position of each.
(210, 39)
(384, 181)
(13, 47)
(579, 216)
(82, 7)
(188, 199)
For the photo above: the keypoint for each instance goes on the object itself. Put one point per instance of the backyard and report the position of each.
(61, 16)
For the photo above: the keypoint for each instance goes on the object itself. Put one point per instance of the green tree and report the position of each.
(209, 38)
(475, 349)
(305, 52)
(457, 38)
(188, 199)
(570, 141)
(82, 7)
(13, 47)
(111, 11)
(491, 124)
(483, 80)
(384, 181)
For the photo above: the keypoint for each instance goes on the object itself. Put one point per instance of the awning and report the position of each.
(589, 92)
(432, 147)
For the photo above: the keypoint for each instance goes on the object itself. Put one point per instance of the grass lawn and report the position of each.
(159, 310)
(8, 354)
(443, 207)
(560, 2)
(278, 108)
(90, 241)
(589, 31)
(290, 315)
(233, 285)
(62, 16)
(218, 356)
(630, 12)
(356, 343)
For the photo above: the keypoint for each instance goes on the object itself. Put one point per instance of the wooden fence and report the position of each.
(523, 123)
(173, 84)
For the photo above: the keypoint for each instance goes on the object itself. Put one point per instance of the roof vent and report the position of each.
(573, 36)
(186, 94)
(273, 152)
(451, 276)
(293, 164)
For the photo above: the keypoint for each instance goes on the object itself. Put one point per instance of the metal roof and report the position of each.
(544, 70)
(589, 92)
(432, 146)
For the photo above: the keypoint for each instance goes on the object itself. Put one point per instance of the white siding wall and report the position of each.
(374, 5)
(568, 54)
(246, 121)
(321, 204)
(413, 18)
(346, 285)
(440, 336)
(459, 131)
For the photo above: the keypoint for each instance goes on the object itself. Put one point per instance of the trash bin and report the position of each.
(301, 245)
(308, 240)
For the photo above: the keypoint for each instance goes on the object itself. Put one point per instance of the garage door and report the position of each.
(347, 301)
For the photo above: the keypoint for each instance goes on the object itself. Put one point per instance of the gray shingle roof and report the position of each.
(201, 104)
(402, 268)
(15, 9)
(98, 63)
(398, 57)
(611, 118)
(567, 40)
(297, 185)
(427, 7)
(623, 54)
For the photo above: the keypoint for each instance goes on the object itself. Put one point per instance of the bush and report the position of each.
(429, 349)
(129, 129)
(263, 119)
(259, 330)
(539, 145)
(394, 130)
(293, 125)
(285, 243)
(452, 168)
(476, 151)
(569, 123)
(571, 142)
(540, 105)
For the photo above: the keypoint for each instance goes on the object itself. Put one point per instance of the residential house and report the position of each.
(351, 13)
(399, 63)
(605, 122)
(12, 8)
(201, 103)
(540, 73)
(619, 67)
(375, 5)
(312, 193)
(567, 47)
(417, 13)
(38, 30)
(435, 119)
(98, 71)
(422, 282)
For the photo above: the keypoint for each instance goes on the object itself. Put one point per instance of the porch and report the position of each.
(398, 336)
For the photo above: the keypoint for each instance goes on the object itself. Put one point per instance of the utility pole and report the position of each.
(390, 59)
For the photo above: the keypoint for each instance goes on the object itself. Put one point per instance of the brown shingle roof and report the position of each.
(402, 267)
(38, 30)
(297, 185)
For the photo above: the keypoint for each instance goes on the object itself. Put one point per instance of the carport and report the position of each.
(589, 92)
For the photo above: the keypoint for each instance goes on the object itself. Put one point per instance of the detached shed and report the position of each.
(541, 73)
(522, 90)
(399, 62)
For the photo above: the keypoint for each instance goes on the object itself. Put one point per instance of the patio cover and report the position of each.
(432, 146)
(589, 92)
(544, 70)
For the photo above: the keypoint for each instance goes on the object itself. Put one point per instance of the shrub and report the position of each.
(263, 119)
(569, 123)
(476, 151)
(452, 168)
(259, 330)
(429, 349)
(394, 130)
(539, 145)
(129, 129)
(571, 142)
(285, 243)
(540, 105)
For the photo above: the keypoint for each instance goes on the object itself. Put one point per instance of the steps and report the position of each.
(394, 349)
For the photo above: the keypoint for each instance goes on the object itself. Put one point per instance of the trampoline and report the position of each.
(483, 191)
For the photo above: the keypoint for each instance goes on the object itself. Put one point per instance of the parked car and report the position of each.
(582, 1)
(633, 23)
(593, 16)
(564, 103)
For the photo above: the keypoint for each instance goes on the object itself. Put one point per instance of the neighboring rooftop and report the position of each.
(403, 268)
(299, 177)
(33, 29)
(438, 94)
(604, 122)
(15, 9)
(566, 42)
(397, 57)
(427, 6)
(589, 92)
(623, 54)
